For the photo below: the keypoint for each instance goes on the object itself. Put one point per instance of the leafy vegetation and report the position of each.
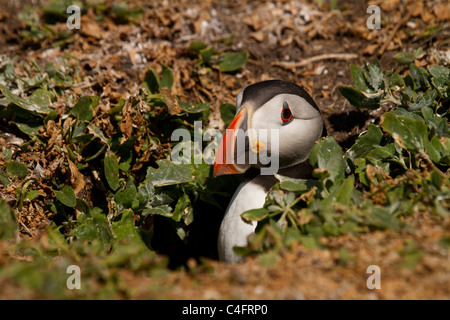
(97, 180)
(141, 136)
(393, 169)
(122, 152)
(226, 61)
(41, 22)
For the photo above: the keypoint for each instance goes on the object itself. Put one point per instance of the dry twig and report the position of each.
(394, 31)
(292, 65)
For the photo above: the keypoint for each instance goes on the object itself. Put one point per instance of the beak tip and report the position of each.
(224, 163)
(219, 170)
(215, 171)
(223, 169)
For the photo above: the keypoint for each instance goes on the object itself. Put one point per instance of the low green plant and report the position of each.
(399, 165)
(393, 169)
(226, 61)
(131, 159)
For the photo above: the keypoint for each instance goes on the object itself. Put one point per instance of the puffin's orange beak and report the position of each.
(225, 162)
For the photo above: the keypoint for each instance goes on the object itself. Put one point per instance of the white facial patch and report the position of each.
(295, 139)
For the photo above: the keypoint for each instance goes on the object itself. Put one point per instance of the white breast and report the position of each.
(233, 230)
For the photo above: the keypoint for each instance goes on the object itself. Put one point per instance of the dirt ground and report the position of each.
(278, 36)
(323, 274)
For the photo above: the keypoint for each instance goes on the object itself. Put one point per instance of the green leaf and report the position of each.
(405, 113)
(169, 173)
(408, 133)
(365, 142)
(67, 196)
(228, 40)
(361, 100)
(32, 194)
(92, 229)
(373, 101)
(207, 54)
(8, 221)
(427, 100)
(349, 227)
(4, 180)
(354, 96)
(197, 46)
(436, 122)
(163, 210)
(83, 207)
(183, 208)
(97, 133)
(145, 192)
(374, 74)
(125, 12)
(16, 169)
(194, 108)
(255, 214)
(232, 61)
(161, 199)
(151, 81)
(125, 229)
(29, 126)
(291, 236)
(434, 149)
(405, 57)
(396, 80)
(441, 79)
(41, 98)
(83, 109)
(419, 76)
(446, 150)
(23, 103)
(124, 198)
(327, 154)
(7, 154)
(379, 153)
(345, 191)
(381, 218)
(166, 78)
(268, 259)
(310, 242)
(111, 166)
(55, 9)
(359, 79)
(432, 30)
(292, 184)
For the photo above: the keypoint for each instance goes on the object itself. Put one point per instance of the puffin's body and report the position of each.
(285, 109)
(233, 230)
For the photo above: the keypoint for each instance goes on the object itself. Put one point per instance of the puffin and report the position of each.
(275, 126)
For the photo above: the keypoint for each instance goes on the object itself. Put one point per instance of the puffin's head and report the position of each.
(276, 122)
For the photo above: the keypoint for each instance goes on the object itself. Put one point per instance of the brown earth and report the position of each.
(324, 274)
(278, 35)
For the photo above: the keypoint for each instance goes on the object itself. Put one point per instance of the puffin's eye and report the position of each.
(286, 114)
